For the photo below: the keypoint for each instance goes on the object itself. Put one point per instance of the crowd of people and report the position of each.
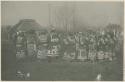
(87, 44)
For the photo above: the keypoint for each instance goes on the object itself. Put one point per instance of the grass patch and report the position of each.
(68, 71)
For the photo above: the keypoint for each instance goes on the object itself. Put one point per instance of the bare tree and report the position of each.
(64, 16)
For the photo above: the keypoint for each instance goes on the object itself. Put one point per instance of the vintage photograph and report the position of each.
(62, 40)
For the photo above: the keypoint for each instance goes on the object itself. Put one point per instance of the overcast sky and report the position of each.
(89, 13)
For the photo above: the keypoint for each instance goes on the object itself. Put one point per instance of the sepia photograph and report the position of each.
(62, 40)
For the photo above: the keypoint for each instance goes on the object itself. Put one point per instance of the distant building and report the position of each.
(26, 38)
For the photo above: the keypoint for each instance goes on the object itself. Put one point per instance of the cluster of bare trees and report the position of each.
(104, 39)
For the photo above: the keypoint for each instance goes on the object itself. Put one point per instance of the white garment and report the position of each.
(99, 77)
(28, 74)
